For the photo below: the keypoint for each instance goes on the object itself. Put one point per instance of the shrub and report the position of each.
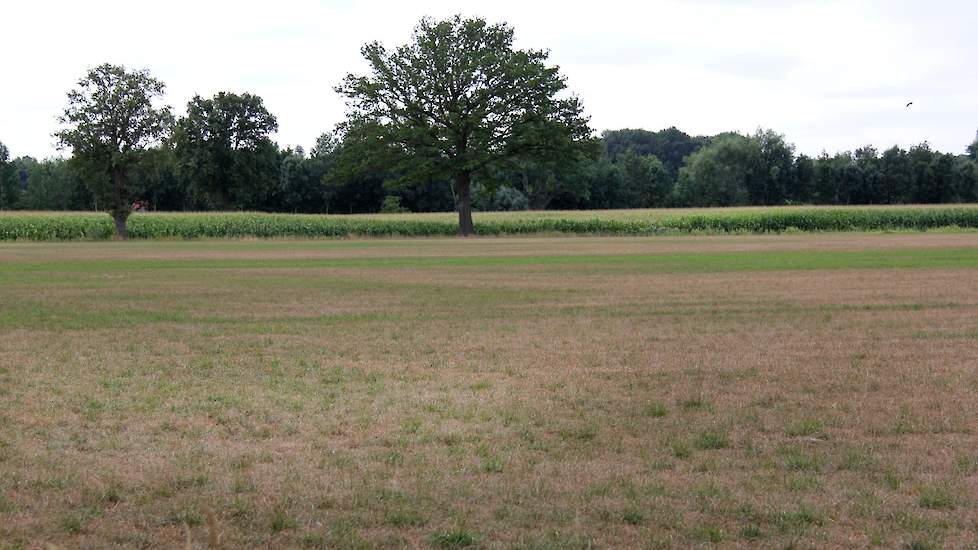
(392, 205)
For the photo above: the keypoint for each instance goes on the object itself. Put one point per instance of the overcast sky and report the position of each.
(828, 75)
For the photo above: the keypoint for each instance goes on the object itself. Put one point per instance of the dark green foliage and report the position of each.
(501, 199)
(801, 189)
(638, 181)
(718, 175)
(9, 194)
(392, 205)
(159, 185)
(223, 147)
(549, 182)
(362, 174)
(51, 185)
(603, 178)
(429, 195)
(737, 170)
(772, 175)
(300, 185)
(671, 146)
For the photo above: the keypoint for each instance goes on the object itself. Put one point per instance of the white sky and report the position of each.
(829, 75)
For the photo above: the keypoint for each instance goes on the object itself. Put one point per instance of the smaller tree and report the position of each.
(110, 121)
(973, 148)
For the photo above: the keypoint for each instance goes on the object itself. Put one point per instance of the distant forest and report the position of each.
(627, 168)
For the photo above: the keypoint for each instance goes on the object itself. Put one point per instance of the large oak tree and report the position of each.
(111, 119)
(458, 99)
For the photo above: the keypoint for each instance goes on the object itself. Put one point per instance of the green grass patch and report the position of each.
(456, 538)
(936, 498)
(655, 409)
(712, 440)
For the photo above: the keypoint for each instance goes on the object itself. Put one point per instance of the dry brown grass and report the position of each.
(535, 405)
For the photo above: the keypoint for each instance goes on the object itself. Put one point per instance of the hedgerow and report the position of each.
(95, 226)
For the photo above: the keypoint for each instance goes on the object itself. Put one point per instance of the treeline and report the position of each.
(238, 167)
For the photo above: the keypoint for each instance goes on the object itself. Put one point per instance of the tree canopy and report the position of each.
(459, 99)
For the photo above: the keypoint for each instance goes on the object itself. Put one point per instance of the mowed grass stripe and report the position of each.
(75, 319)
(702, 262)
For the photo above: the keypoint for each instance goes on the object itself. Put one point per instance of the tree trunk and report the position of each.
(120, 226)
(463, 202)
(120, 207)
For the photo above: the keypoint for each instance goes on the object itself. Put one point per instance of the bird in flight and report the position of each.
(909, 104)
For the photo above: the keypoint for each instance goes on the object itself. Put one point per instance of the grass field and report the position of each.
(776, 390)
